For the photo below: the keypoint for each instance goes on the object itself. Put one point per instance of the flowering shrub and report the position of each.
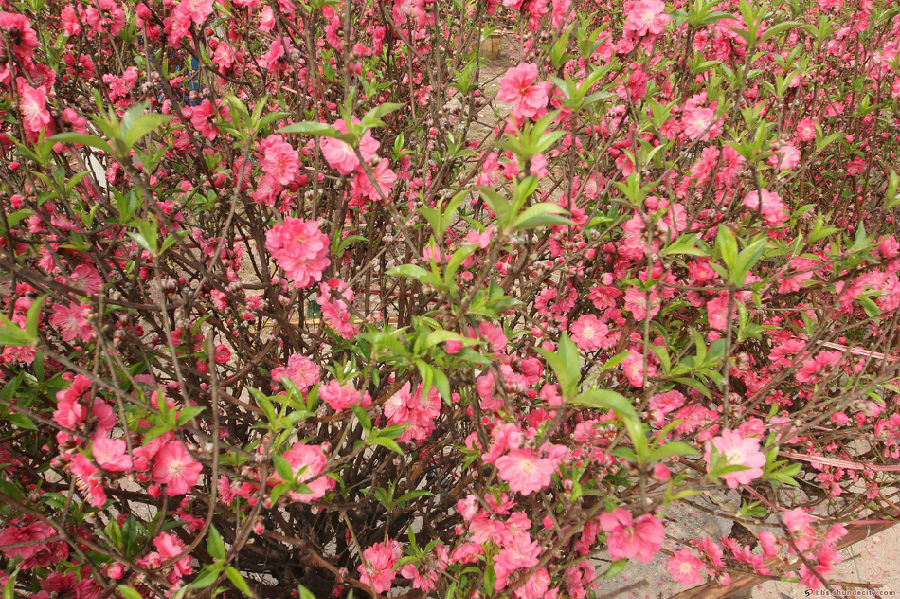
(306, 297)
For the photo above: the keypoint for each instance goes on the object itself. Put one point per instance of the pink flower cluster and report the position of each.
(300, 249)
(416, 412)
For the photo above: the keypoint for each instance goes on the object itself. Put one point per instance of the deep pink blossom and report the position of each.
(520, 87)
(111, 454)
(340, 397)
(629, 538)
(279, 159)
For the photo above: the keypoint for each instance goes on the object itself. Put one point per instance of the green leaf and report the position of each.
(726, 244)
(501, 206)
(490, 577)
(410, 271)
(21, 421)
(571, 357)
(673, 449)
(311, 128)
(606, 399)
(85, 140)
(128, 592)
(615, 568)
(12, 334)
(238, 581)
(207, 575)
(541, 215)
(215, 544)
(686, 244)
(870, 307)
(362, 416)
(9, 589)
(143, 126)
(283, 468)
(459, 256)
(304, 593)
(33, 317)
(389, 443)
(189, 413)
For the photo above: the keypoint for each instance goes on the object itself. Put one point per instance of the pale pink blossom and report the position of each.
(279, 159)
(72, 321)
(589, 333)
(738, 450)
(307, 464)
(645, 17)
(174, 467)
(525, 472)
(685, 568)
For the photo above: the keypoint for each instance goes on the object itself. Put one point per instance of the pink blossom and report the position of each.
(806, 129)
(417, 413)
(698, 122)
(685, 568)
(377, 569)
(168, 546)
(589, 333)
(640, 538)
(175, 468)
(525, 472)
(536, 585)
(22, 37)
(86, 278)
(520, 87)
(279, 159)
(340, 397)
(645, 17)
(633, 366)
(738, 450)
(334, 300)
(88, 480)
(494, 335)
(362, 190)
(32, 104)
(785, 158)
(300, 249)
(425, 576)
(302, 371)
(767, 543)
(818, 366)
(521, 552)
(308, 463)
(773, 211)
(36, 555)
(340, 156)
(111, 454)
(799, 524)
(72, 321)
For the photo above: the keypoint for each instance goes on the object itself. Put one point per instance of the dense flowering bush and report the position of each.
(308, 297)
